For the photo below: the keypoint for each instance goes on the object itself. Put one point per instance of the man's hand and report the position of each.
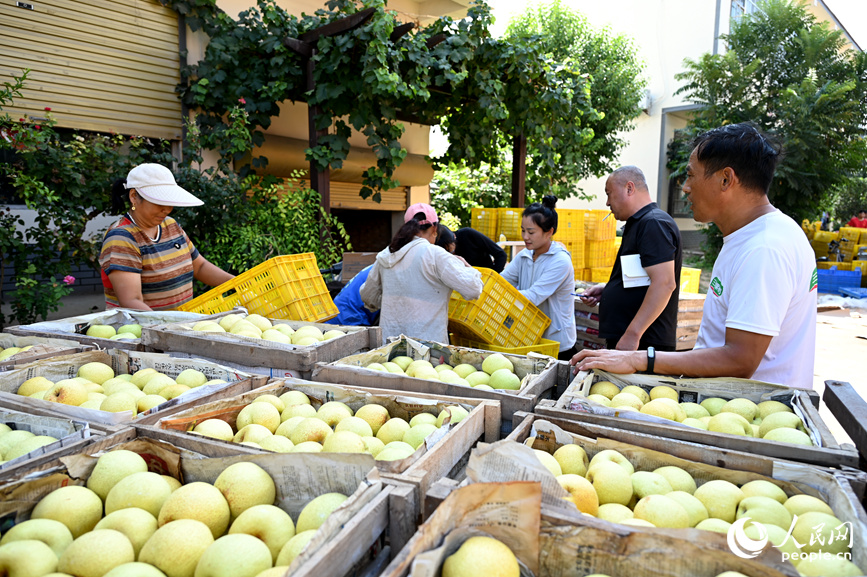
(620, 362)
(592, 295)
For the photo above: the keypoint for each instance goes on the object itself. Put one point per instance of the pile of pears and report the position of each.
(131, 332)
(771, 420)
(129, 522)
(258, 327)
(496, 373)
(97, 387)
(610, 488)
(290, 424)
(16, 443)
(9, 351)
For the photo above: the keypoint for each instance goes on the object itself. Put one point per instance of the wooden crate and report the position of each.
(573, 405)
(70, 435)
(350, 371)
(554, 542)
(260, 356)
(831, 485)
(43, 348)
(419, 471)
(73, 328)
(850, 409)
(123, 362)
(348, 549)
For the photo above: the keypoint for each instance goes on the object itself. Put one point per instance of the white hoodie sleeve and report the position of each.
(455, 274)
(371, 291)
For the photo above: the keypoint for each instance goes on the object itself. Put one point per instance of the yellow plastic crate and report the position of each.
(599, 253)
(599, 225)
(543, 347)
(600, 274)
(285, 287)
(570, 225)
(484, 220)
(863, 238)
(850, 234)
(862, 266)
(689, 279)
(830, 264)
(576, 249)
(825, 236)
(501, 315)
(509, 223)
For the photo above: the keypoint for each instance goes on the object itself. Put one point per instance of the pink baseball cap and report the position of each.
(430, 214)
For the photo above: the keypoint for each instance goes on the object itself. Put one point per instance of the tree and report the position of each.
(788, 74)
(612, 65)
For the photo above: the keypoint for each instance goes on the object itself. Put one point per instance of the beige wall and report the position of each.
(665, 32)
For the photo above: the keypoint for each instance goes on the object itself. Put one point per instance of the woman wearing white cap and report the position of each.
(147, 261)
(413, 279)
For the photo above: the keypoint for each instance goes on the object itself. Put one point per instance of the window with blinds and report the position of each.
(108, 66)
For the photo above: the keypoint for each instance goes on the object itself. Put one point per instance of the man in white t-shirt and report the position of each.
(760, 314)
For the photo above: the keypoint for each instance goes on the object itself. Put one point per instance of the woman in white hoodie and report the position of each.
(544, 274)
(412, 280)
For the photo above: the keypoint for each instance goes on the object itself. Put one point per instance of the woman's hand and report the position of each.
(209, 273)
(463, 260)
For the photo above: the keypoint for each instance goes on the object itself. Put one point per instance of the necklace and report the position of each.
(152, 239)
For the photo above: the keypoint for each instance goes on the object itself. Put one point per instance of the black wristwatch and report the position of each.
(651, 359)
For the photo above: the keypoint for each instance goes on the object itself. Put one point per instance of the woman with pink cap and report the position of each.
(413, 279)
(147, 261)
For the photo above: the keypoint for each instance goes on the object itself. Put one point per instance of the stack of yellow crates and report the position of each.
(820, 242)
(509, 223)
(599, 244)
(849, 241)
(570, 232)
(485, 220)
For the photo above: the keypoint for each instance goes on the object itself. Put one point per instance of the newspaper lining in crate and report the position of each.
(74, 327)
(298, 478)
(272, 358)
(526, 367)
(509, 461)
(66, 431)
(41, 347)
(689, 390)
(401, 405)
(121, 362)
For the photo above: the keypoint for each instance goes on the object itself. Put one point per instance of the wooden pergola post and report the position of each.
(519, 170)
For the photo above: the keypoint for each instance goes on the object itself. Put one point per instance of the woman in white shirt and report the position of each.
(413, 279)
(544, 274)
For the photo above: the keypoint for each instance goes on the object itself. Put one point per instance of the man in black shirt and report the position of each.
(636, 317)
(479, 250)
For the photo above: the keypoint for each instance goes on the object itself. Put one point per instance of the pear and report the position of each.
(273, 399)
(481, 556)
(393, 430)
(343, 442)
(310, 429)
(53, 533)
(12, 438)
(216, 429)
(96, 553)
(141, 377)
(34, 385)
(264, 414)
(415, 436)
(662, 512)
(372, 445)
(111, 467)
(356, 425)
(96, 372)
(27, 558)
(136, 524)
(720, 498)
(301, 410)
(318, 510)
(199, 501)
(270, 524)
(679, 479)
(175, 548)
(66, 392)
(191, 378)
(77, 507)
(245, 485)
(307, 447)
(333, 412)
(28, 445)
(237, 555)
(294, 547)
(174, 484)
(395, 451)
(148, 491)
(373, 415)
(251, 433)
(134, 569)
(294, 398)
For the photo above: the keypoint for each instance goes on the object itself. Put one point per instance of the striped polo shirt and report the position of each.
(165, 265)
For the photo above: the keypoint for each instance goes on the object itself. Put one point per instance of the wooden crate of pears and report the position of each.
(416, 438)
(507, 529)
(805, 513)
(275, 347)
(132, 500)
(738, 414)
(113, 387)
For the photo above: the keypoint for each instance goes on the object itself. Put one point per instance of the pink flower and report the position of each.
(47, 109)
(37, 127)
(242, 101)
(68, 279)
